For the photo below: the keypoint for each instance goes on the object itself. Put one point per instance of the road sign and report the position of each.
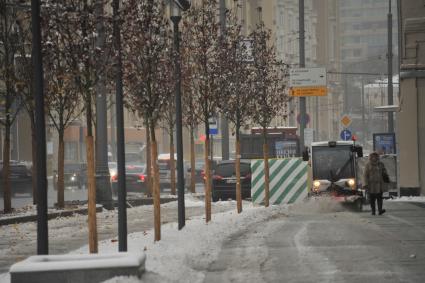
(308, 136)
(307, 77)
(346, 135)
(213, 126)
(308, 91)
(307, 82)
(307, 118)
(346, 121)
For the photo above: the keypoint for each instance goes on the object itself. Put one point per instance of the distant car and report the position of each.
(224, 180)
(164, 166)
(135, 179)
(75, 175)
(20, 178)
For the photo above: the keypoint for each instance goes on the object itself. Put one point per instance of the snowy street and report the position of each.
(314, 241)
(339, 246)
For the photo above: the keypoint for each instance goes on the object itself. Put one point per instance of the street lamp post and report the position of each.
(175, 18)
(122, 191)
(390, 68)
(42, 228)
(302, 65)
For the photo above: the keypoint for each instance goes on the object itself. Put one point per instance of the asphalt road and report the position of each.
(323, 243)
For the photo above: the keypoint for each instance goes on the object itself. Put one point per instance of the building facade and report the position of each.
(411, 117)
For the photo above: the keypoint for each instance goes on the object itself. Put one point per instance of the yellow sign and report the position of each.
(309, 91)
(346, 121)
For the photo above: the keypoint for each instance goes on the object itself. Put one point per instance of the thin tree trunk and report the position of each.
(7, 198)
(34, 162)
(93, 246)
(172, 165)
(266, 169)
(148, 162)
(192, 161)
(207, 181)
(238, 175)
(61, 173)
(156, 196)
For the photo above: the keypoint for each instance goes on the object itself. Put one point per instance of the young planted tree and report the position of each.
(268, 85)
(206, 75)
(237, 99)
(169, 126)
(9, 86)
(147, 74)
(190, 118)
(88, 60)
(60, 83)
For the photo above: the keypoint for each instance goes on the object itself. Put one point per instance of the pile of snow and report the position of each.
(409, 199)
(183, 256)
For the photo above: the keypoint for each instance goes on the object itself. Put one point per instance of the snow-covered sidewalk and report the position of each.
(180, 255)
(177, 255)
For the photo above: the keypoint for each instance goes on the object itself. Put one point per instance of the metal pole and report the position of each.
(122, 191)
(302, 65)
(364, 128)
(224, 123)
(179, 126)
(42, 229)
(103, 185)
(390, 68)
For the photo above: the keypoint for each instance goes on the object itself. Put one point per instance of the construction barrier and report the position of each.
(288, 180)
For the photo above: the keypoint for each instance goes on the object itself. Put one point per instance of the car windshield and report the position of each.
(228, 169)
(135, 168)
(72, 167)
(163, 165)
(332, 163)
(199, 165)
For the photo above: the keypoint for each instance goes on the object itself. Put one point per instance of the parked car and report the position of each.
(199, 169)
(20, 178)
(135, 179)
(164, 166)
(224, 180)
(75, 175)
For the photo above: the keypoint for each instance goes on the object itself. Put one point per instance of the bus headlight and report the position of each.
(351, 182)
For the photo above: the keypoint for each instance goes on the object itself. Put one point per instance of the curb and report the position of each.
(82, 211)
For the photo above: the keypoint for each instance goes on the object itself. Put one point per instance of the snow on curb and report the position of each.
(409, 199)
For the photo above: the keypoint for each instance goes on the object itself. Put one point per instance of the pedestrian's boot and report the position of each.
(382, 211)
(373, 212)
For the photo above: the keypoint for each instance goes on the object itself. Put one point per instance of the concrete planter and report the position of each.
(77, 268)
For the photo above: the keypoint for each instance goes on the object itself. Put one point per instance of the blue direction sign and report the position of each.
(346, 135)
(213, 126)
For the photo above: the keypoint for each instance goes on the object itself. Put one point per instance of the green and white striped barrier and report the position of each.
(288, 180)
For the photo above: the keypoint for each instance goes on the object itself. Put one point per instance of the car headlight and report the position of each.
(316, 184)
(351, 182)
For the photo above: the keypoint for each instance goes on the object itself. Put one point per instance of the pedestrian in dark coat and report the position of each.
(374, 182)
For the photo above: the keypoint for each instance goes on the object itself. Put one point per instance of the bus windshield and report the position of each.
(332, 163)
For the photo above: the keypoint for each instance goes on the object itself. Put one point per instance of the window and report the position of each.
(71, 151)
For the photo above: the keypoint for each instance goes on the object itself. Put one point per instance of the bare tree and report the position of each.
(79, 26)
(190, 118)
(237, 99)
(206, 75)
(10, 85)
(169, 126)
(268, 86)
(60, 82)
(147, 74)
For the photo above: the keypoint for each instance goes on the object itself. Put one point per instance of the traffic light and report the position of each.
(184, 5)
